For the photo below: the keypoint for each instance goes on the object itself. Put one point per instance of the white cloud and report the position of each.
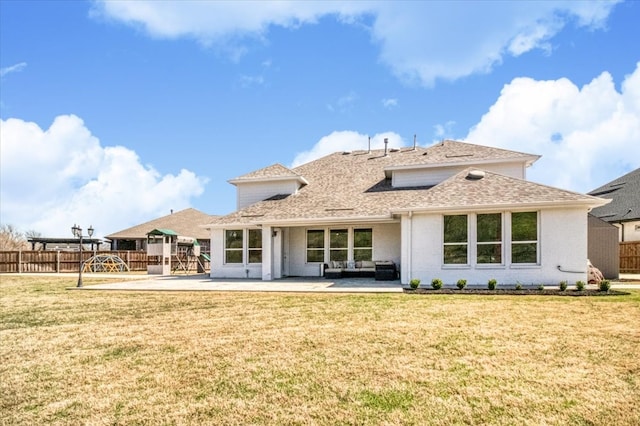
(419, 41)
(344, 103)
(390, 103)
(587, 136)
(346, 141)
(13, 68)
(56, 177)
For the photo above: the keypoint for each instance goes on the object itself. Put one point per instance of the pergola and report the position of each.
(66, 242)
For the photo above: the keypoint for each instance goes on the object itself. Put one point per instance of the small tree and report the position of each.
(12, 239)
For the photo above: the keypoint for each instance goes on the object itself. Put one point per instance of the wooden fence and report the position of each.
(630, 257)
(62, 261)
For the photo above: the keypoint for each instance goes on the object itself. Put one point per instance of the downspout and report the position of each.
(410, 244)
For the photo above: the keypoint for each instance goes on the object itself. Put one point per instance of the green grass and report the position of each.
(91, 357)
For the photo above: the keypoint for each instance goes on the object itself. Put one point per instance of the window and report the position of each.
(455, 240)
(524, 237)
(233, 246)
(338, 248)
(489, 239)
(255, 245)
(315, 245)
(362, 244)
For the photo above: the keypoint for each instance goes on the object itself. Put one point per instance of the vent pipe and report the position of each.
(386, 142)
(369, 151)
(414, 142)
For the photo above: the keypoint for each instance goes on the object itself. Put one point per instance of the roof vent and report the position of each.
(475, 174)
(386, 143)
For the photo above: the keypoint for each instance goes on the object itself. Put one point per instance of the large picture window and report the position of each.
(255, 245)
(362, 244)
(315, 245)
(233, 245)
(489, 238)
(455, 240)
(524, 237)
(338, 244)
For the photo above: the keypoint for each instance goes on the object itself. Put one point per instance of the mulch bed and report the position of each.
(514, 292)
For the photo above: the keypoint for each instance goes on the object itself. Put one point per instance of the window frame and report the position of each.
(339, 232)
(499, 243)
(228, 250)
(315, 249)
(514, 243)
(256, 249)
(446, 244)
(362, 248)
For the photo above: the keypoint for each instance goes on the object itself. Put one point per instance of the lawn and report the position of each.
(92, 357)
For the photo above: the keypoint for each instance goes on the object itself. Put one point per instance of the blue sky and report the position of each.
(115, 112)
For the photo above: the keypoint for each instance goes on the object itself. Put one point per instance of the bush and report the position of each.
(461, 284)
(492, 283)
(580, 285)
(605, 285)
(436, 283)
(563, 285)
(541, 287)
(414, 283)
(518, 286)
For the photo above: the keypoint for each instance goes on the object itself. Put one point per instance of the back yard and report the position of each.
(91, 357)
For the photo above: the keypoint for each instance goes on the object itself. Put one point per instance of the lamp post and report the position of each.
(77, 232)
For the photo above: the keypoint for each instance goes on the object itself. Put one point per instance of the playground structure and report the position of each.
(105, 263)
(169, 252)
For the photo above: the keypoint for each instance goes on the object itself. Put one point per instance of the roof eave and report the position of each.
(298, 179)
(589, 204)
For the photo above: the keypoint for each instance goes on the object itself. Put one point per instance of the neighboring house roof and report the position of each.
(187, 222)
(624, 193)
(353, 186)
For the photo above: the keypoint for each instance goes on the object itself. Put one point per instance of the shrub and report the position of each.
(541, 287)
(414, 283)
(436, 283)
(580, 285)
(518, 286)
(605, 285)
(563, 285)
(461, 284)
(492, 283)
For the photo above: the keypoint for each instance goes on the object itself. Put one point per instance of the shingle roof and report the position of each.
(186, 223)
(624, 193)
(352, 185)
(273, 171)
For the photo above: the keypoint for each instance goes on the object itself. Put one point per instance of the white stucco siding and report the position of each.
(251, 192)
(236, 270)
(562, 242)
(628, 231)
(435, 175)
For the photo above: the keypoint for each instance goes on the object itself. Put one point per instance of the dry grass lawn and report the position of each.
(90, 357)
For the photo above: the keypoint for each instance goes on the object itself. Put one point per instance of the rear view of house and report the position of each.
(452, 210)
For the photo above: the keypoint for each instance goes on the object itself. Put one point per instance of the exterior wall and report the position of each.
(629, 231)
(562, 244)
(251, 192)
(221, 270)
(603, 249)
(433, 176)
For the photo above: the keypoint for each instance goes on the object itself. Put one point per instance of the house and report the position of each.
(624, 209)
(452, 210)
(185, 222)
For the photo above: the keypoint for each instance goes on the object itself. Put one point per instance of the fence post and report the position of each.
(19, 261)
(58, 261)
(129, 259)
